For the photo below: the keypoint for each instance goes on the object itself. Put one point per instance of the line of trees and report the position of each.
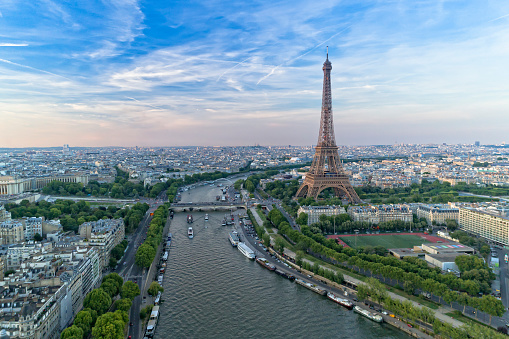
(412, 274)
(377, 292)
(343, 223)
(147, 251)
(434, 192)
(95, 319)
(72, 214)
(117, 253)
(119, 189)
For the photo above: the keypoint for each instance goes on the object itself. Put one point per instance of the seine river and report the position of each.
(212, 291)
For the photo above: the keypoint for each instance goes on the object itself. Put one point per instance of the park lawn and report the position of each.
(360, 277)
(415, 298)
(463, 318)
(261, 215)
(287, 244)
(387, 241)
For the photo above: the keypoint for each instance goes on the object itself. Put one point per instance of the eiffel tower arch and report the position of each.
(326, 170)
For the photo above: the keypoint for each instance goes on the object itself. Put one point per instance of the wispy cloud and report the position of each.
(181, 74)
(32, 68)
(6, 44)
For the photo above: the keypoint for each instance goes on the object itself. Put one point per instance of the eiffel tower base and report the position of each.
(313, 185)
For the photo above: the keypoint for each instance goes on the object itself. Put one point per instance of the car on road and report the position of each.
(385, 312)
(409, 325)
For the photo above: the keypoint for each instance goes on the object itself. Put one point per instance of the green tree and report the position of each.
(266, 239)
(110, 287)
(73, 332)
(130, 290)
(238, 184)
(362, 291)
(249, 186)
(280, 245)
(111, 325)
(145, 255)
(145, 311)
(97, 300)
(298, 258)
(112, 263)
(492, 306)
(84, 321)
(123, 304)
(302, 219)
(154, 288)
(37, 237)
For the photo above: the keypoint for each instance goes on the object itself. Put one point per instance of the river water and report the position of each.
(212, 291)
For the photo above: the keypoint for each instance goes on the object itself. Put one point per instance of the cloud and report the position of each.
(182, 74)
(32, 68)
(5, 44)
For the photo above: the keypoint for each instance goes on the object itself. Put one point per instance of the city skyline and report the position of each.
(133, 73)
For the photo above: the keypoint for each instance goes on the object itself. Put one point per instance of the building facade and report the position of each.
(10, 185)
(33, 226)
(376, 214)
(103, 234)
(494, 228)
(438, 213)
(11, 232)
(314, 212)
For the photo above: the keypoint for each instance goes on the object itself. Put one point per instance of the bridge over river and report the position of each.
(207, 206)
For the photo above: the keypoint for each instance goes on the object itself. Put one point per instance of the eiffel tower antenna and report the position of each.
(326, 170)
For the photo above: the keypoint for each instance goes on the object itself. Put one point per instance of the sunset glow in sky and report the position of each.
(127, 73)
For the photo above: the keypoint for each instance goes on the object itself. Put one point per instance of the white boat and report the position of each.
(152, 322)
(190, 233)
(311, 286)
(368, 314)
(234, 238)
(206, 217)
(244, 249)
(343, 302)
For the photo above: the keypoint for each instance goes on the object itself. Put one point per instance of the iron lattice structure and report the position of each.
(326, 170)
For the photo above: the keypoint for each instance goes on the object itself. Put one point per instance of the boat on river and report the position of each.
(368, 314)
(265, 263)
(244, 249)
(311, 286)
(233, 236)
(285, 275)
(343, 302)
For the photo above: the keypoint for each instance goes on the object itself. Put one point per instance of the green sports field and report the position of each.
(387, 241)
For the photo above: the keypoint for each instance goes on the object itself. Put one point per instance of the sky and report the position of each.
(174, 73)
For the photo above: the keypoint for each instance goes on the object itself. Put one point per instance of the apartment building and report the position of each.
(33, 226)
(4, 214)
(103, 234)
(485, 224)
(376, 214)
(438, 213)
(11, 232)
(11, 185)
(314, 212)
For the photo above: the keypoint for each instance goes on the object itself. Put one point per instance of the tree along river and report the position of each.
(211, 290)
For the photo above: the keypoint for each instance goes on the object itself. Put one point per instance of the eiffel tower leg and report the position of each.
(314, 192)
(303, 189)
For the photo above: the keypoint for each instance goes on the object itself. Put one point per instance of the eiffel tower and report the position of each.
(326, 170)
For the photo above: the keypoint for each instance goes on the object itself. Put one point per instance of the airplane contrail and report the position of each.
(229, 69)
(32, 68)
(501, 17)
(143, 103)
(300, 56)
